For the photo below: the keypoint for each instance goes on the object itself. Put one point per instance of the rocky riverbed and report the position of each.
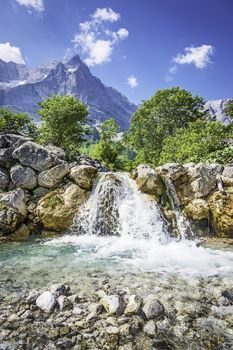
(127, 311)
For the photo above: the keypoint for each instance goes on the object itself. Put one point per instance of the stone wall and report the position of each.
(39, 189)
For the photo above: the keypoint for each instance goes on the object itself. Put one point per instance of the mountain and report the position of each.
(216, 108)
(10, 71)
(64, 77)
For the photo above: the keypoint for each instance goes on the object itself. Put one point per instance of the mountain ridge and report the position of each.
(66, 77)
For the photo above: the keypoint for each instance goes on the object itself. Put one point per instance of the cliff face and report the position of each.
(216, 109)
(65, 78)
(10, 71)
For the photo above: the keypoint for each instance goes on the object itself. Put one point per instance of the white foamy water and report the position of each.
(140, 240)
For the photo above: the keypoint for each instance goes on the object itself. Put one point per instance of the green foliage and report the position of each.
(229, 109)
(201, 141)
(64, 122)
(110, 150)
(158, 118)
(17, 123)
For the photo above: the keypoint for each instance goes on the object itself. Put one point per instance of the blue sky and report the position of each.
(135, 46)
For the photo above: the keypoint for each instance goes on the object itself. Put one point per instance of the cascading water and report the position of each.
(182, 223)
(116, 207)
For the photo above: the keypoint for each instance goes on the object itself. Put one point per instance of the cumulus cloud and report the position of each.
(199, 56)
(37, 5)
(96, 40)
(10, 53)
(105, 14)
(132, 82)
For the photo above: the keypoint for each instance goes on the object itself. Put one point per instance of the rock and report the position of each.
(13, 318)
(221, 206)
(52, 177)
(58, 289)
(32, 297)
(152, 307)
(4, 178)
(15, 199)
(133, 305)
(227, 176)
(16, 141)
(150, 328)
(112, 304)
(198, 209)
(57, 209)
(228, 294)
(6, 158)
(203, 178)
(40, 192)
(35, 156)
(63, 302)
(172, 170)
(149, 181)
(84, 175)
(23, 177)
(21, 234)
(12, 210)
(57, 152)
(46, 301)
(3, 141)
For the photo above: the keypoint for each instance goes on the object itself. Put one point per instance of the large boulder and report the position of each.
(12, 140)
(198, 209)
(84, 175)
(221, 206)
(52, 177)
(152, 307)
(23, 177)
(203, 178)
(13, 210)
(35, 156)
(227, 176)
(149, 181)
(4, 178)
(56, 151)
(57, 209)
(6, 158)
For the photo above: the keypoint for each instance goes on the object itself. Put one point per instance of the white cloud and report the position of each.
(37, 5)
(10, 53)
(105, 14)
(97, 41)
(199, 56)
(132, 81)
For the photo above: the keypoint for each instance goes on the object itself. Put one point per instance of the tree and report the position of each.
(229, 108)
(108, 147)
(201, 141)
(17, 123)
(158, 118)
(63, 122)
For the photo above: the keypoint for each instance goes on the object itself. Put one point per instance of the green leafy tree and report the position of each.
(63, 122)
(201, 141)
(17, 123)
(229, 108)
(108, 147)
(158, 118)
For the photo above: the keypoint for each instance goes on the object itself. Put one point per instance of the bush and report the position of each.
(17, 123)
(201, 141)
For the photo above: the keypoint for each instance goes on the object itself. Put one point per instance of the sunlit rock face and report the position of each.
(216, 110)
(70, 77)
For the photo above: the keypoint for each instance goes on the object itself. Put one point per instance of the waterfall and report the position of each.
(116, 207)
(182, 222)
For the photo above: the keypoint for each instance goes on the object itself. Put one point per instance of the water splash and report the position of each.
(116, 207)
(182, 222)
